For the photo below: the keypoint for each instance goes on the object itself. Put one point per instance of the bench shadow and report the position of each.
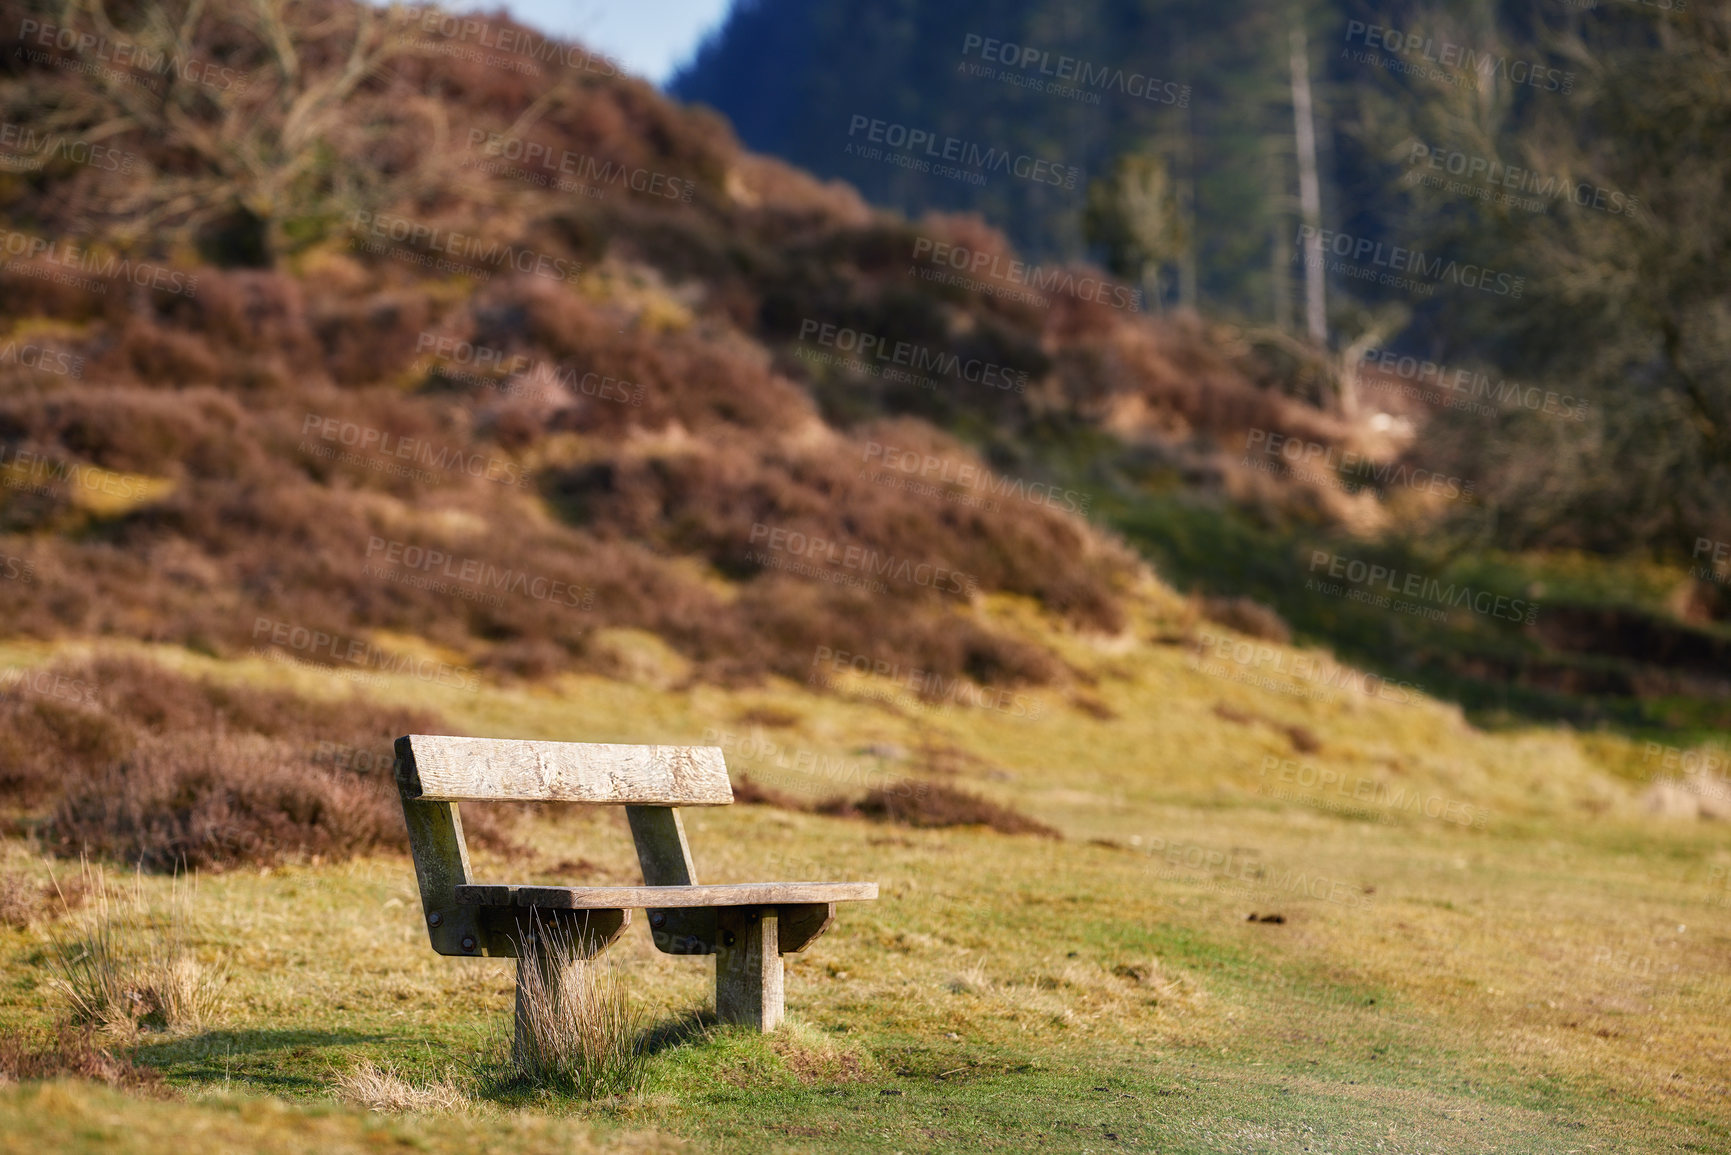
(219, 1056)
(692, 1026)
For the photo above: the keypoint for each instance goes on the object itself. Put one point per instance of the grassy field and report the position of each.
(1485, 943)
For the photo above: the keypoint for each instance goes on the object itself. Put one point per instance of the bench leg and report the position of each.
(545, 982)
(748, 968)
(553, 948)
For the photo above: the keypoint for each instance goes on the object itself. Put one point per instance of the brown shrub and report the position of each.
(207, 803)
(930, 804)
(130, 430)
(25, 901)
(1247, 617)
(168, 357)
(148, 767)
(751, 793)
(21, 900)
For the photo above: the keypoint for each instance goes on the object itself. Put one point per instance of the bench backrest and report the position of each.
(435, 772)
(437, 768)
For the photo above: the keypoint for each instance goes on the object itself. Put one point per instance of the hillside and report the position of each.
(426, 392)
(1527, 199)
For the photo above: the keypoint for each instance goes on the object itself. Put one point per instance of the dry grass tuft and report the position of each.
(382, 1089)
(125, 967)
(577, 1032)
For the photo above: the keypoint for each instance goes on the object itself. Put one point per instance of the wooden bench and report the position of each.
(747, 927)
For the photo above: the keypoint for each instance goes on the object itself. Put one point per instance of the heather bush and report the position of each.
(131, 762)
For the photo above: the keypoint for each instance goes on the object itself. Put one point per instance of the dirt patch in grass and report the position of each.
(815, 1060)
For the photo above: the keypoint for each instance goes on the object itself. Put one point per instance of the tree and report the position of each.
(1135, 214)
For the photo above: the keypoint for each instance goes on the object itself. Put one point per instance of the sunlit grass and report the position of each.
(1552, 965)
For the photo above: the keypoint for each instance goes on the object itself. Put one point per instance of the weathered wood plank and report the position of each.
(451, 769)
(654, 897)
(665, 857)
(662, 851)
(441, 866)
(748, 970)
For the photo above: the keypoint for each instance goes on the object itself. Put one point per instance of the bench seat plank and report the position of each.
(652, 897)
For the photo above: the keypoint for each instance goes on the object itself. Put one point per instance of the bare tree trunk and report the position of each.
(1309, 192)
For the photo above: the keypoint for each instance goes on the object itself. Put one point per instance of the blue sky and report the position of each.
(650, 37)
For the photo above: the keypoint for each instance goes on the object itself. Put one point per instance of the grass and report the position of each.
(1546, 976)
(1502, 670)
(577, 1030)
(124, 966)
